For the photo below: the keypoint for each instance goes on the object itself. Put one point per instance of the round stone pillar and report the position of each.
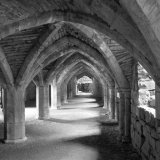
(44, 102)
(105, 94)
(112, 101)
(74, 86)
(125, 114)
(58, 96)
(14, 115)
(54, 94)
(64, 93)
(69, 90)
(122, 114)
(116, 106)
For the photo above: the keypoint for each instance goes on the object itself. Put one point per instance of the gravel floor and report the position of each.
(72, 133)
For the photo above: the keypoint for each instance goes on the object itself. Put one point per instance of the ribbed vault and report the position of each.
(74, 59)
(121, 29)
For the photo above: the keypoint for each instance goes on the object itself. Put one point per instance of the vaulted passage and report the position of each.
(69, 59)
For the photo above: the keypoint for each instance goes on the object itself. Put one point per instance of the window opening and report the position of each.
(146, 90)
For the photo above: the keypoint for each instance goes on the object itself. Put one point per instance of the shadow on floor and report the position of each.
(72, 134)
(108, 147)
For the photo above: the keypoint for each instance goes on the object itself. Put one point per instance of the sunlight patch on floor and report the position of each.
(77, 114)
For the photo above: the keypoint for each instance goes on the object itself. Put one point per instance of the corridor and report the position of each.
(77, 131)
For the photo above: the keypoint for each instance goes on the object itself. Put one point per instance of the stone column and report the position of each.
(109, 102)
(105, 106)
(112, 101)
(157, 106)
(44, 102)
(64, 93)
(74, 86)
(122, 114)
(116, 105)
(14, 115)
(69, 91)
(96, 88)
(58, 96)
(127, 114)
(93, 87)
(37, 101)
(54, 95)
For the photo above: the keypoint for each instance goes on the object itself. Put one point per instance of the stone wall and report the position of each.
(144, 135)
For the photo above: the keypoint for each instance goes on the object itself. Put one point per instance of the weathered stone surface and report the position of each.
(145, 137)
(146, 148)
(132, 131)
(141, 114)
(151, 157)
(147, 117)
(154, 133)
(158, 147)
(142, 122)
(139, 140)
(139, 127)
(144, 157)
(152, 142)
(145, 131)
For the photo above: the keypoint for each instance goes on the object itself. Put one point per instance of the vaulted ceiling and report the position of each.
(49, 35)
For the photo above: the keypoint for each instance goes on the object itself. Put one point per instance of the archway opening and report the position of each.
(84, 86)
(146, 86)
(31, 111)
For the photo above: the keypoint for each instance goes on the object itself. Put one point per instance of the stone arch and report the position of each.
(74, 69)
(86, 73)
(64, 72)
(117, 28)
(79, 70)
(74, 59)
(50, 56)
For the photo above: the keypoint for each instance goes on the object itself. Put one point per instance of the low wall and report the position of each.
(145, 137)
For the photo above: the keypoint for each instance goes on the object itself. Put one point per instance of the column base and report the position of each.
(13, 141)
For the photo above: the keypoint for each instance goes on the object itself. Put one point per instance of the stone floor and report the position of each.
(79, 131)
